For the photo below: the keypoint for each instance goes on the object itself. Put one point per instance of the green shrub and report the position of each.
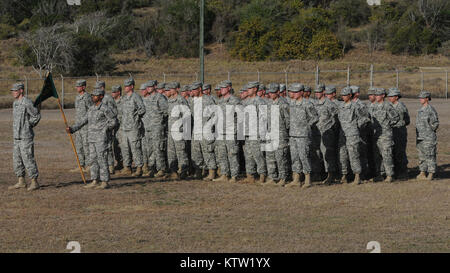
(325, 45)
(7, 31)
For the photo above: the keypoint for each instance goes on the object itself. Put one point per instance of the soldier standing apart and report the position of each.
(109, 101)
(427, 123)
(227, 146)
(400, 134)
(99, 120)
(82, 103)
(157, 121)
(133, 110)
(349, 138)
(116, 94)
(384, 118)
(302, 116)
(25, 117)
(276, 159)
(327, 126)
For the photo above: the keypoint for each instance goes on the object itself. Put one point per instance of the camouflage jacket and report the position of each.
(182, 105)
(25, 117)
(328, 112)
(133, 110)
(403, 113)
(109, 101)
(303, 115)
(232, 102)
(427, 123)
(348, 118)
(156, 108)
(363, 114)
(82, 104)
(384, 118)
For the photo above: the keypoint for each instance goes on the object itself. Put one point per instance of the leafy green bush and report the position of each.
(7, 31)
(325, 45)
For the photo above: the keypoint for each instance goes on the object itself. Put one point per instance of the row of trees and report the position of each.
(80, 40)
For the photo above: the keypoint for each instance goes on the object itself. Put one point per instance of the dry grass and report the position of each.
(142, 215)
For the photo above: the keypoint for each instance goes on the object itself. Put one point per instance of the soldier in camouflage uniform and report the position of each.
(176, 148)
(25, 117)
(349, 138)
(364, 125)
(146, 147)
(276, 160)
(109, 101)
(427, 123)
(384, 118)
(227, 145)
(328, 128)
(303, 116)
(371, 141)
(82, 103)
(283, 90)
(400, 133)
(202, 146)
(116, 94)
(317, 163)
(133, 110)
(99, 120)
(161, 88)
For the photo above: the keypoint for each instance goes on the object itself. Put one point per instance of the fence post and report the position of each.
(397, 77)
(348, 75)
(371, 75)
(258, 75)
(62, 92)
(229, 75)
(446, 84)
(421, 80)
(317, 75)
(286, 77)
(26, 86)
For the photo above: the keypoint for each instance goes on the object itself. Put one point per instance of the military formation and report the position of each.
(169, 131)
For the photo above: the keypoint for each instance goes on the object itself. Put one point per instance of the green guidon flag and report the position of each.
(48, 90)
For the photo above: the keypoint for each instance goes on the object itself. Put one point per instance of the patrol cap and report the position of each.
(371, 91)
(228, 82)
(206, 86)
(171, 85)
(355, 89)
(394, 91)
(243, 89)
(330, 89)
(17, 86)
(252, 85)
(116, 88)
(380, 91)
(282, 87)
(346, 91)
(424, 94)
(196, 85)
(262, 87)
(143, 86)
(128, 82)
(185, 88)
(98, 92)
(80, 83)
(295, 87)
(100, 84)
(152, 83)
(161, 85)
(319, 88)
(307, 89)
(273, 87)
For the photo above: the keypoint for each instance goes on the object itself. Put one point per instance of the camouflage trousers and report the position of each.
(254, 158)
(176, 155)
(364, 154)
(227, 151)
(277, 162)
(99, 161)
(300, 154)
(23, 158)
(384, 155)
(82, 146)
(109, 147)
(328, 148)
(427, 156)
(131, 150)
(154, 150)
(317, 164)
(202, 154)
(349, 153)
(400, 142)
(116, 145)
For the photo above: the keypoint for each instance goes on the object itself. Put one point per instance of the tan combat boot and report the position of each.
(421, 176)
(262, 179)
(19, 185)
(173, 176)
(307, 181)
(250, 179)
(86, 169)
(126, 171)
(145, 168)
(357, 180)
(111, 170)
(281, 183)
(160, 173)
(233, 179)
(91, 185)
(329, 179)
(222, 178)
(102, 186)
(389, 179)
(76, 170)
(34, 185)
(430, 176)
(295, 181)
(211, 175)
(270, 182)
(344, 179)
(138, 172)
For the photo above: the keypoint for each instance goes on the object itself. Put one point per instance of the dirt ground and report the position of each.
(146, 215)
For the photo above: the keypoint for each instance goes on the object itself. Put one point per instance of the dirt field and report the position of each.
(143, 215)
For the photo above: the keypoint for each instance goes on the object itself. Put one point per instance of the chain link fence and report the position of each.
(408, 82)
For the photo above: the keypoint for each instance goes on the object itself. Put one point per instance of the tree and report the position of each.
(325, 45)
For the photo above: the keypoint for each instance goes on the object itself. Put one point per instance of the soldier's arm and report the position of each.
(434, 119)
(406, 117)
(314, 116)
(163, 106)
(110, 117)
(82, 122)
(393, 116)
(287, 116)
(140, 106)
(34, 114)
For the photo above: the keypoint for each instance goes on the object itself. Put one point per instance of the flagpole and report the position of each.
(71, 141)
